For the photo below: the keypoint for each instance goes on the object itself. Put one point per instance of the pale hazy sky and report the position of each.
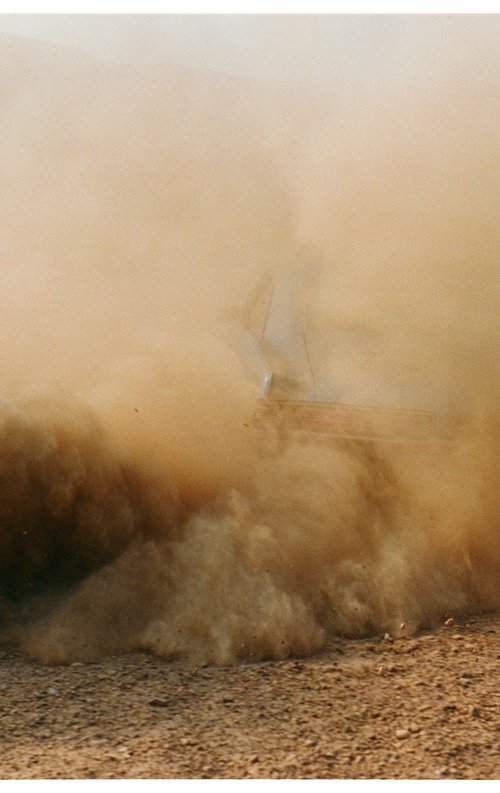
(293, 48)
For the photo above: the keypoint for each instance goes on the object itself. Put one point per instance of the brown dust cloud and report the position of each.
(144, 209)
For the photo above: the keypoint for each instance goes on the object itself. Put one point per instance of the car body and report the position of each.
(340, 383)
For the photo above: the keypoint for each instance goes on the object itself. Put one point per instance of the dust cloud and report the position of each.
(145, 210)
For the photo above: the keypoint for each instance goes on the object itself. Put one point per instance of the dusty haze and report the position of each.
(143, 209)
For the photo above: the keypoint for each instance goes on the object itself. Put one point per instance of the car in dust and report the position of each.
(343, 382)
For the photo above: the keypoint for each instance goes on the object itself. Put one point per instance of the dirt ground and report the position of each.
(424, 707)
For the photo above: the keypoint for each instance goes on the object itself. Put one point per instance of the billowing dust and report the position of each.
(144, 213)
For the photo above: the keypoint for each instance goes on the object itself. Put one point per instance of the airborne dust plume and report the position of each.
(142, 211)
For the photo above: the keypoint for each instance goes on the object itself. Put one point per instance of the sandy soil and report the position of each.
(406, 708)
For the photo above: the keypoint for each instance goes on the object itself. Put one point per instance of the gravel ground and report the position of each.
(425, 707)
